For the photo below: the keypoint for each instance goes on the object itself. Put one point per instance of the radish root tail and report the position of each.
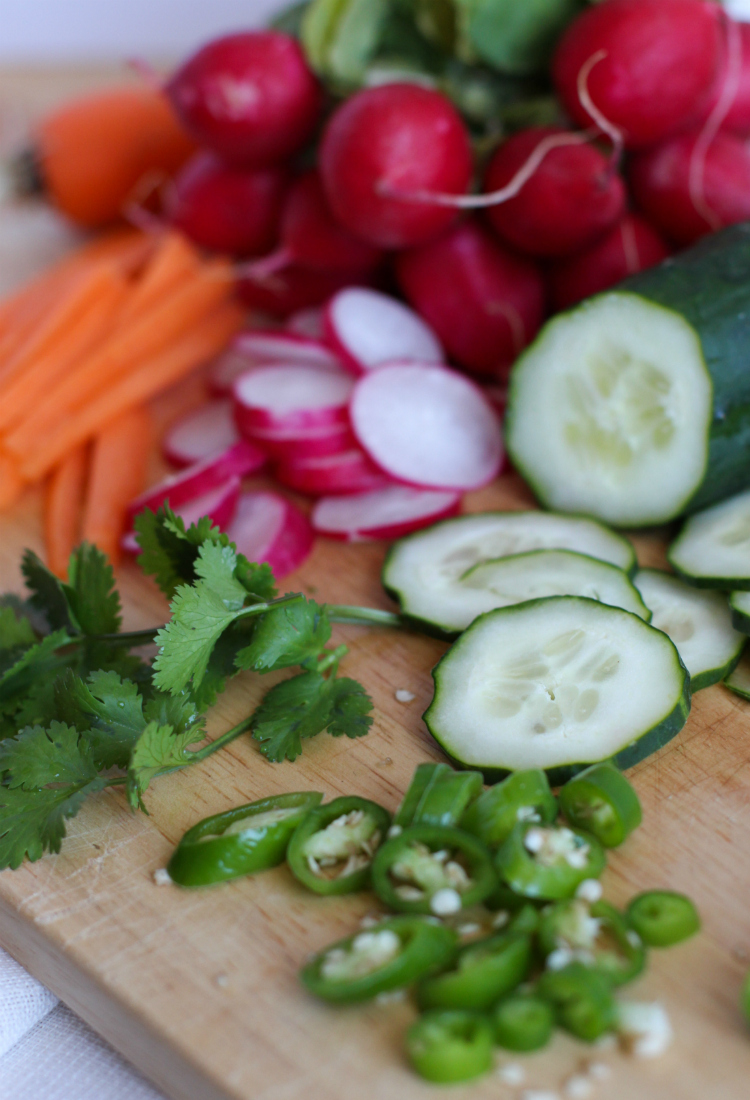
(601, 122)
(263, 270)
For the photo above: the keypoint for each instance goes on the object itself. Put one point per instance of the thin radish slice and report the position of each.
(283, 346)
(298, 444)
(291, 399)
(368, 328)
(383, 514)
(346, 472)
(268, 528)
(200, 478)
(207, 431)
(427, 425)
(220, 504)
(307, 322)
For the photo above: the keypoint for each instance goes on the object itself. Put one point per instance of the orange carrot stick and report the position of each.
(173, 260)
(62, 510)
(199, 344)
(143, 338)
(20, 395)
(118, 473)
(12, 483)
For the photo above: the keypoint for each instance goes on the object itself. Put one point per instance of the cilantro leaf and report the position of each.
(48, 594)
(178, 711)
(32, 822)
(157, 751)
(113, 709)
(257, 580)
(305, 706)
(25, 610)
(286, 635)
(91, 591)
(38, 661)
(36, 757)
(14, 632)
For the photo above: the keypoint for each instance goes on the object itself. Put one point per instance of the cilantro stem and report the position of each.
(367, 616)
(331, 659)
(221, 742)
(118, 781)
(129, 638)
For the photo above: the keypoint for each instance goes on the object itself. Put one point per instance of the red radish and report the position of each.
(291, 289)
(630, 247)
(207, 431)
(736, 119)
(396, 137)
(311, 236)
(382, 514)
(484, 302)
(345, 472)
(250, 97)
(262, 347)
(573, 195)
(219, 503)
(367, 328)
(226, 209)
(294, 443)
(427, 425)
(289, 400)
(687, 191)
(200, 478)
(268, 528)
(307, 322)
(640, 70)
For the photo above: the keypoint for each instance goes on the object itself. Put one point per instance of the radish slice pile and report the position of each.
(346, 472)
(206, 432)
(219, 503)
(383, 514)
(285, 401)
(368, 328)
(268, 528)
(427, 425)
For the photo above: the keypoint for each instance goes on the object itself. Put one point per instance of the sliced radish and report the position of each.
(263, 347)
(346, 472)
(307, 322)
(427, 425)
(300, 444)
(207, 431)
(367, 328)
(268, 528)
(286, 400)
(220, 504)
(383, 514)
(199, 479)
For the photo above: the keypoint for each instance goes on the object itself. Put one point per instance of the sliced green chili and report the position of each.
(433, 869)
(391, 955)
(332, 849)
(662, 918)
(602, 801)
(450, 1046)
(525, 920)
(438, 795)
(523, 1022)
(596, 935)
(582, 1000)
(524, 796)
(482, 972)
(239, 842)
(549, 861)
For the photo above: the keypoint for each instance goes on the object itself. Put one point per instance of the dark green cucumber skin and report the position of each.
(741, 622)
(723, 584)
(709, 285)
(715, 675)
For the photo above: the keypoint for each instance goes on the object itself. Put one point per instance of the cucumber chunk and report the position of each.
(713, 548)
(739, 603)
(609, 411)
(738, 679)
(423, 571)
(558, 684)
(698, 622)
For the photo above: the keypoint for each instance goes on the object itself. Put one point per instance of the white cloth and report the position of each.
(48, 1053)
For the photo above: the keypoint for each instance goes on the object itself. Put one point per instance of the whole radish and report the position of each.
(484, 302)
(234, 210)
(568, 201)
(736, 119)
(295, 287)
(251, 98)
(640, 70)
(688, 190)
(311, 236)
(390, 139)
(631, 246)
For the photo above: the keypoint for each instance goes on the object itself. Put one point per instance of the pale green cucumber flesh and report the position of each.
(713, 548)
(422, 571)
(559, 684)
(739, 603)
(699, 623)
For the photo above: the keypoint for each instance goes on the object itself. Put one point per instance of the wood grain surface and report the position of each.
(199, 988)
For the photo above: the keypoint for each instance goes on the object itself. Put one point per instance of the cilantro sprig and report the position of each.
(80, 711)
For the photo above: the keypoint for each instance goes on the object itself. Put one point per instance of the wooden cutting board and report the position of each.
(199, 989)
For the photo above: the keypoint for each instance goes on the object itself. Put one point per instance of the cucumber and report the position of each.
(635, 406)
(698, 622)
(738, 679)
(558, 683)
(423, 571)
(713, 548)
(739, 604)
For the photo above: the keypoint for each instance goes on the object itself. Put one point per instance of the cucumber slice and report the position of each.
(713, 548)
(739, 603)
(738, 679)
(423, 571)
(699, 623)
(559, 684)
